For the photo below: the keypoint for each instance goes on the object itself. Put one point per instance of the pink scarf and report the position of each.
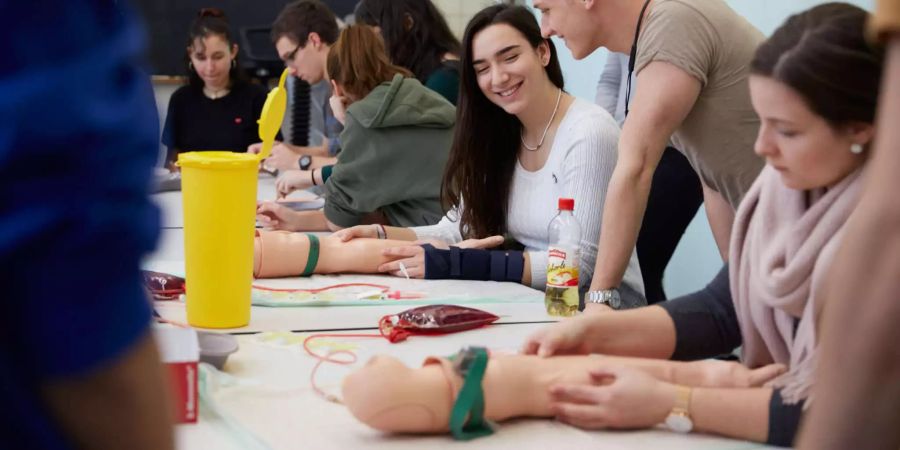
(782, 245)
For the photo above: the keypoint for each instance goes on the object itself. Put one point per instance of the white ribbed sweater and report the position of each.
(579, 166)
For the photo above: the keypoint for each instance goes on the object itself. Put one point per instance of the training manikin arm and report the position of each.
(389, 396)
(285, 254)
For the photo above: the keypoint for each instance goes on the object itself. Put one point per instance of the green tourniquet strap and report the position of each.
(313, 258)
(326, 173)
(467, 417)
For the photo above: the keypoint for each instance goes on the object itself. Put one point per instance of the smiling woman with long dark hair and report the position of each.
(521, 143)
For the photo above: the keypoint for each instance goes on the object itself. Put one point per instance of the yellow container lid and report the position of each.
(218, 160)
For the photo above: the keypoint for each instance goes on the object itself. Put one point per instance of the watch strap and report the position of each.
(609, 297)
(679, 418)
(682, 400)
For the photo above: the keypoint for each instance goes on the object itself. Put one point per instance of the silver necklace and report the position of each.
(543, 136)
(215, 94)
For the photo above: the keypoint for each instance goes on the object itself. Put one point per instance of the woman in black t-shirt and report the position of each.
(218, 109)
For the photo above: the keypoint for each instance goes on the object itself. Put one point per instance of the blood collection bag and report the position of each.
(433, 319)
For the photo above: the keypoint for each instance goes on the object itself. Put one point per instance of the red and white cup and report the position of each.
(180, 352)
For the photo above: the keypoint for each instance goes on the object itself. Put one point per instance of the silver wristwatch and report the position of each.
(609, 297)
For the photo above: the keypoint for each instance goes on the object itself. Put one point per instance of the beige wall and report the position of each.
(458, 12)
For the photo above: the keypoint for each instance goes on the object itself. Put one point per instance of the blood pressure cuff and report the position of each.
(473, 264)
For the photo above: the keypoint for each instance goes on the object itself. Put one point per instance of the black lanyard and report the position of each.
(631, 60)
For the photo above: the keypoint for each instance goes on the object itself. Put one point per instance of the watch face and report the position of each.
(305, 162)
(679, 423)
(615, 302)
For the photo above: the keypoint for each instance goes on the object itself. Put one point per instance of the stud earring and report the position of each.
(856, 149)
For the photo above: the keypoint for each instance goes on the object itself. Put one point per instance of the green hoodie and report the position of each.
(394, 148)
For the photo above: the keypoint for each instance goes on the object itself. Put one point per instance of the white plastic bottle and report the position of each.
(562, 264)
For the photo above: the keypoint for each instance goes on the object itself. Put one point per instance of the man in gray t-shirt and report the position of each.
(675, 194)
(691, 59)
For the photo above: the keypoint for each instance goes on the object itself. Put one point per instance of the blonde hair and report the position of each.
(358, 63)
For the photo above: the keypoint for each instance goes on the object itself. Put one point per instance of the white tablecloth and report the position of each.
(274, 402)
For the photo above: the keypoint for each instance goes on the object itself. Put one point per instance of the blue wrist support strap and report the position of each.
(473, 264)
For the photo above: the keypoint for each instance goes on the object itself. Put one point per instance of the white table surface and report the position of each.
(274, 402)
(512, 302)
(173, 215)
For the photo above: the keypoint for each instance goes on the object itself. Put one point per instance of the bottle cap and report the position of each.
(566, 204)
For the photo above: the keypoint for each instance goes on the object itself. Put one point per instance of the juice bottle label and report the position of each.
(562, 268)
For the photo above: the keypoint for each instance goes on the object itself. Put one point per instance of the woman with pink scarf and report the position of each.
(814, 85)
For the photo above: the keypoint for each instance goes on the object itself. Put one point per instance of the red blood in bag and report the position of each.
(162, 286)
(433, 319)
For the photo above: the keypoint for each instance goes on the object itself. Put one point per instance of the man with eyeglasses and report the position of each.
(303, 34)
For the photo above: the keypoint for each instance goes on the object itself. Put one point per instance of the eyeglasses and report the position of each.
(289, 58)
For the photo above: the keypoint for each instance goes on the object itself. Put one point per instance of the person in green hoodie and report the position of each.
(396, 140)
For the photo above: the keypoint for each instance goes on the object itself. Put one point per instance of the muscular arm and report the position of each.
(118, 406)
(666, 96)
(862, 373)
(720, 215)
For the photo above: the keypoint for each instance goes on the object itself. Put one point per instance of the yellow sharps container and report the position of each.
(219, 196)
(219, 191)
